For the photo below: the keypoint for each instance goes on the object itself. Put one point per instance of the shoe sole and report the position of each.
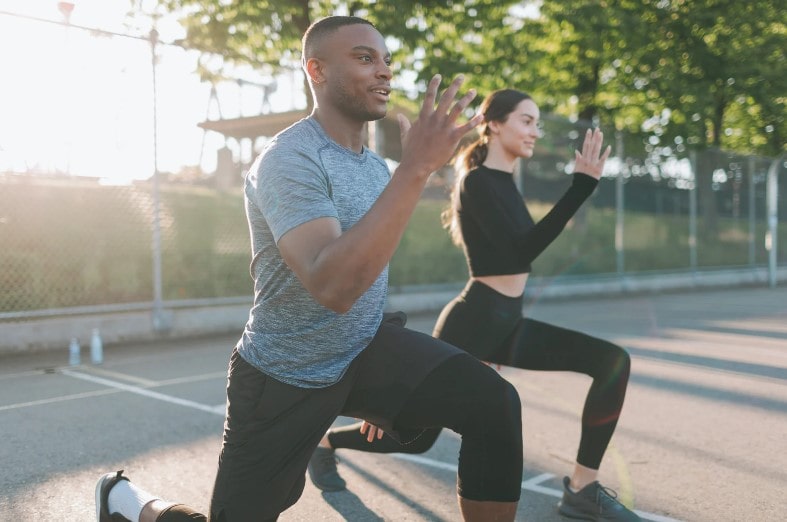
(99, 485)
(574, 515)
(326, 488)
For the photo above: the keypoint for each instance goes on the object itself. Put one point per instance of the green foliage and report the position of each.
(700, 73)
(426, 254)
(83, 244)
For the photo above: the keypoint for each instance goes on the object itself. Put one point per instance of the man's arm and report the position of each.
(337, 268)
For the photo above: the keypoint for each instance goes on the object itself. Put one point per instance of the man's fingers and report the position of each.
(447, 98)
(431, 95)
(461, 105)
(471, 124)
(404, 125)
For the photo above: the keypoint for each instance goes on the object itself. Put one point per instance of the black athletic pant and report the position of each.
(405, 381)
(490, 326)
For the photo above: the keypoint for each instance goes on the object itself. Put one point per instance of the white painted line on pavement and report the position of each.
(117, 375)
(532, 484)
(146, 393)
(74, 396)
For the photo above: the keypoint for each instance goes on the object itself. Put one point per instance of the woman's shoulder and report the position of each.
(482, 176)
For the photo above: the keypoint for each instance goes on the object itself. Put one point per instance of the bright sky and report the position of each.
(76, 102)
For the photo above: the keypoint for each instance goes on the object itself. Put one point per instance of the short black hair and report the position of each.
(319, 29)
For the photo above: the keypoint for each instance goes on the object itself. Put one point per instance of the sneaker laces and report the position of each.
(606, 497)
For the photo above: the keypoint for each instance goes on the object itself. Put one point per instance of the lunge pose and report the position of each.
(489, 220)
(325, 217)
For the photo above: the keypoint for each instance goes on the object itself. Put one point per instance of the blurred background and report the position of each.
(126, 127)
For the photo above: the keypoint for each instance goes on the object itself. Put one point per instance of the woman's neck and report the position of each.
(497, 159)
(505, 166)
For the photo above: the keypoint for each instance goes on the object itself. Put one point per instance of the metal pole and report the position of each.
(752, 213)
(693, 214)
(66, 8)
(620, 256)
(158, 307)
(771, 238)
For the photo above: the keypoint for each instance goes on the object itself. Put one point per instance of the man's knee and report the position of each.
(498, 404)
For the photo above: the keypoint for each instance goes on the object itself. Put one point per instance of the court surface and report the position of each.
(702, 436)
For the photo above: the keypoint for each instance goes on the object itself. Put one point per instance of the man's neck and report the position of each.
(347, 133)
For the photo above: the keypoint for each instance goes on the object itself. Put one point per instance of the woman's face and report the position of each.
(518, 134)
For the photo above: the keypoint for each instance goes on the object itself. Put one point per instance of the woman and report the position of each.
(489, 220)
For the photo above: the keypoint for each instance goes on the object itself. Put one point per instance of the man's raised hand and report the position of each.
(430, 141)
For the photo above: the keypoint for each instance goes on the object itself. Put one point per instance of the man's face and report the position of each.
(356, 68)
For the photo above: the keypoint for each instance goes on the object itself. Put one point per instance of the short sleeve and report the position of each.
(290, 188)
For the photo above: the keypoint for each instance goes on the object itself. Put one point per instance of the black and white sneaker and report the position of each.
(104, 484)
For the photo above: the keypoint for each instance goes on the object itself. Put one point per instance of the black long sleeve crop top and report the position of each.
(500, 237)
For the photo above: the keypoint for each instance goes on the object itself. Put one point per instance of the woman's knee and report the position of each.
(620, 361)
(609, 361)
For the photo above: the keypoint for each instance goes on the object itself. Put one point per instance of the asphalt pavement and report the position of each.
(702, 436)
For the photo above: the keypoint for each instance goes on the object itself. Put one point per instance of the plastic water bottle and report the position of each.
(96, 347)
(73, 352)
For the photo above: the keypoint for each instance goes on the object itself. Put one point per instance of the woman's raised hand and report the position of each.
(591, 160)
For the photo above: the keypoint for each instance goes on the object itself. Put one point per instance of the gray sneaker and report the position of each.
(594, 502)
(322, 470)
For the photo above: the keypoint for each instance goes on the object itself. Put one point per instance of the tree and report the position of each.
(711, 70)
(715, 78)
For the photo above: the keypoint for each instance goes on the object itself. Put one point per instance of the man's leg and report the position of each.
(408, 381)
(322, 465)
(473, 400)
(270, 432)
(118, 500)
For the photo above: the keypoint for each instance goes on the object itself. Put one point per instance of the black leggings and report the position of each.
(490, 326)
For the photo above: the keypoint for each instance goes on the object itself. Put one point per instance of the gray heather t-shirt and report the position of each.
(300, 176)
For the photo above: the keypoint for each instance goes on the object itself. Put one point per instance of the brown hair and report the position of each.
(497, 106)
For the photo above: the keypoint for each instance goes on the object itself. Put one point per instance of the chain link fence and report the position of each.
(70, 242)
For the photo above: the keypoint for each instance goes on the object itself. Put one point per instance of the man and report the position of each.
(325, 217)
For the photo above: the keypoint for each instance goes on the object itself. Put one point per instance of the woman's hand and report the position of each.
(591, 161)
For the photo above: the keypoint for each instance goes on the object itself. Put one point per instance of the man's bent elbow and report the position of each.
(335, 301)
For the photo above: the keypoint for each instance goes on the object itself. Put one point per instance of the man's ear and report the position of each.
(314, 68)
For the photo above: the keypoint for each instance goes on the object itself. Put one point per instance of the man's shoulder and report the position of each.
(301, 135)
(297, 145)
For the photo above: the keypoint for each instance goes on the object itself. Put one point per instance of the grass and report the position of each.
(74, 245)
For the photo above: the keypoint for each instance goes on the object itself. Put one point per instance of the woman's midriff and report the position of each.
(509, 285)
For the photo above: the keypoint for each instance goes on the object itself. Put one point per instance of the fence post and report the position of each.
(771, 242)
(693, 213)
(620, 256)
(752, 213)
(159, 323)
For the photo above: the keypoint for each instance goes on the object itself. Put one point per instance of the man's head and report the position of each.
(315, 35)
(348, 66)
